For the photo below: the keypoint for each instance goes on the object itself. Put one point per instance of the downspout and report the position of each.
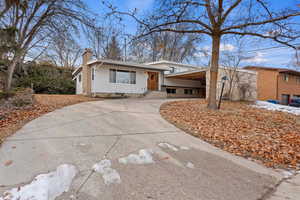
(93, 81)
(277, 86)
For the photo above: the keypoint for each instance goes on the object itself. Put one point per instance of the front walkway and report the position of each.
(173, 165)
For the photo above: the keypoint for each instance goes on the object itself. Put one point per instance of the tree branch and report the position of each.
(241, 26)
(275, 38)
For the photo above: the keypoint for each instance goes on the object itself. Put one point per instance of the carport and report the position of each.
(191, 83)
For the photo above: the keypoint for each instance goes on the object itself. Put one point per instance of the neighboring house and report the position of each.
(277, 83)
(108, 78)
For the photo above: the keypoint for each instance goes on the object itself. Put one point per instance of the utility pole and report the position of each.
(125, 49)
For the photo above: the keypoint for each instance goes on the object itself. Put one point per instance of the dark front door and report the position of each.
(152, 81)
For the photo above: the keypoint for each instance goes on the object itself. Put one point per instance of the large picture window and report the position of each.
(122, 76)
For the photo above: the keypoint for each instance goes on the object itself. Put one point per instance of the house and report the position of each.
(277, 83)
(108, 78)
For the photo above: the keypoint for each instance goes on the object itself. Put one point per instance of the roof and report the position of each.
(280, 70)
(166, 62)
(191, 74)
(76, 71)
(128, 64)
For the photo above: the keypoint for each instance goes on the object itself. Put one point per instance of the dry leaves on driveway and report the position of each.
(267, 136)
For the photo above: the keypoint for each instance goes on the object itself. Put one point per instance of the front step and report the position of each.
(155, 95)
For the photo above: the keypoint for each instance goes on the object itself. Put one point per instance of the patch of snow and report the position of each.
(144, 157)
(44, 186)
(184, 148)
(190, 165)
(287, 174)
(167, 145)
(277, 107)
(109, 174)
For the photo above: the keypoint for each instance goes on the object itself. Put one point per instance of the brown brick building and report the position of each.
(275, 83)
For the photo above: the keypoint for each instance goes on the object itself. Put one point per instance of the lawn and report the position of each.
(14, 118)
(269, 137)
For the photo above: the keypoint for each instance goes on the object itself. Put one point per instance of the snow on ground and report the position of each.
(144, 157)
(184, 148)
(109, 174)
(277, 107)
(190, 165)
(167, 145)
(44, 186)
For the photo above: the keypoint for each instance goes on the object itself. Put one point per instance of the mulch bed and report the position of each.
(269, 137)
(14, 118)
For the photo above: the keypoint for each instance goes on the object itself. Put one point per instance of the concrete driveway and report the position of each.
(183, 167)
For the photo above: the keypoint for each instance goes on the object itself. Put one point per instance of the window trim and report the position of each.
(79, 78)
(132, 75)
(286, 77)
(93, 74)
(188, 91)
(298, 80)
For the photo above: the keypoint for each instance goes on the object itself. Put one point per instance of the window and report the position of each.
(79, 78)
(285, 77)
(93, 73)
(122, 76)
(171, 91)
(298, 80)
(196, 91)
(188, 91)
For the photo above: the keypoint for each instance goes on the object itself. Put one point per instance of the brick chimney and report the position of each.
(86, 71)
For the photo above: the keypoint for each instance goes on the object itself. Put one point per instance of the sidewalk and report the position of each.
(288, 189)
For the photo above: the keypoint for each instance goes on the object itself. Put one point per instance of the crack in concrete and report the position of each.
(271, 190)
(92, 171)
(97, 135)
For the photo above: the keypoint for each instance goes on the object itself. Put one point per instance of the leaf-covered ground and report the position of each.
(270, 137)
(14, 118)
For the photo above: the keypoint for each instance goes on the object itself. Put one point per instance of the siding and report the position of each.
(78, 84)
(101, 83)
(182, 83)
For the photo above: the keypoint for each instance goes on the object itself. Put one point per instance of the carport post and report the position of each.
(224, 78)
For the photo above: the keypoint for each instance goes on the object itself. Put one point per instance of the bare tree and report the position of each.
(97, 40)
(99, 36)
(231, 60)
(217, 18)
(5, 5)
(177, 47)
(64, 51)
(113, 51)
(36, 21)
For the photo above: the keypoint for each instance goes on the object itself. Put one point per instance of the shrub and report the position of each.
(47, 79)
(6, 95)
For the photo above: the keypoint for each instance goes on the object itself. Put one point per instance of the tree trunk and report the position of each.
(212, 100)
(10, 73)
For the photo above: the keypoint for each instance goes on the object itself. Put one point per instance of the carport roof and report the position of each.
(198, 74)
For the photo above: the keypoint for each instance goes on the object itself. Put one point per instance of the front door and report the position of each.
(152, 81)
